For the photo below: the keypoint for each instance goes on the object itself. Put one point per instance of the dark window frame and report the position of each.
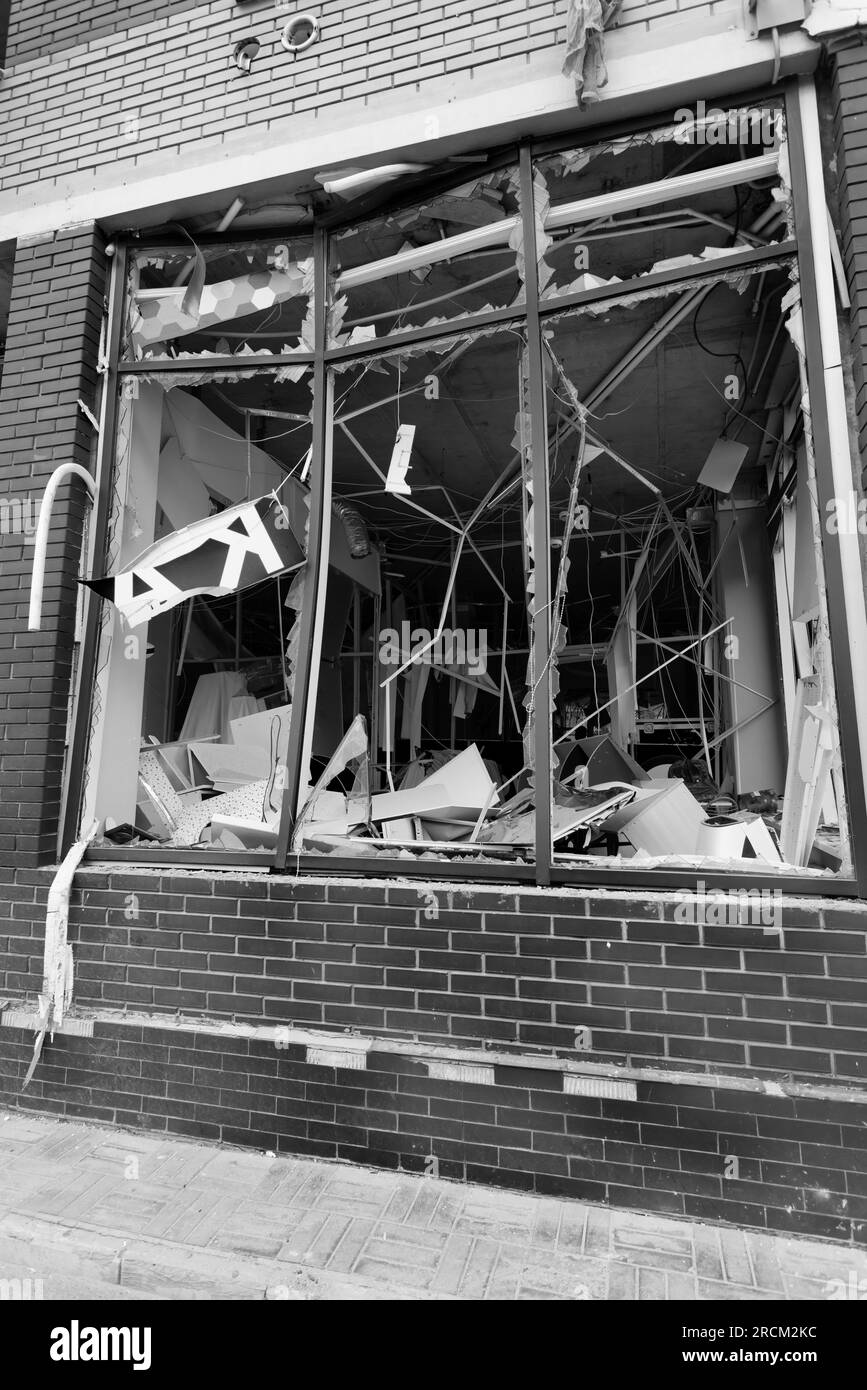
(532, 315)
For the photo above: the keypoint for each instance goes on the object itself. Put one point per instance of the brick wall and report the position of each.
(41, 27)
(800, 1164)
(69, 111)
(51, 351)
(509, 969)
(849, 96)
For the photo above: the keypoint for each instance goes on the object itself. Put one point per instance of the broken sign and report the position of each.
(220, 555)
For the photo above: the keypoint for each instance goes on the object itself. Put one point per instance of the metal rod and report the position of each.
(635, 684)
(663, 191)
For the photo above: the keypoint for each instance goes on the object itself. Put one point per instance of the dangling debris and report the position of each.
(586, 23)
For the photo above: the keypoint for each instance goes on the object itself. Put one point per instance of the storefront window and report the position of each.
(427, 648)
(691, 644)
(334, 614)
(193, 687)
(687, 194)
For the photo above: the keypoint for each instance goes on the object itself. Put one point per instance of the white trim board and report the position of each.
(463, 115)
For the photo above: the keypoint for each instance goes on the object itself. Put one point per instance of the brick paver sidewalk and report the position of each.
(106, 1213)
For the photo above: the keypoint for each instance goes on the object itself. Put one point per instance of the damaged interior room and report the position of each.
(449, 499)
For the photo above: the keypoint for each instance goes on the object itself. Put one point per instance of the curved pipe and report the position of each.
(40, 550)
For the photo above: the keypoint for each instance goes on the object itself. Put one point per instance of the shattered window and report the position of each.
(684, 195)
(228, 301)
(695, 718)
(193, 692)
(692, 691)
(417, 734)
(458, 253)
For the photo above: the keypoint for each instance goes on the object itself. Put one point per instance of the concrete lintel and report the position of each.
(426, 126)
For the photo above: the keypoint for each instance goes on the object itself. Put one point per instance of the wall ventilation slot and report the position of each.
(461, 1071)
(599, 1086)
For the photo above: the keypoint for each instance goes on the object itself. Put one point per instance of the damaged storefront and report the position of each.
(467, 522)
(432, 705)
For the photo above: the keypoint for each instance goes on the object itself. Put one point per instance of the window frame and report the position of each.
(532, 315)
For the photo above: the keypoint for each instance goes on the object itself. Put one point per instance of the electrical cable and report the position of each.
(710, 351)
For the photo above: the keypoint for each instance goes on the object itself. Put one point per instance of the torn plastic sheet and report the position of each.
(57, 979)
(586, 22)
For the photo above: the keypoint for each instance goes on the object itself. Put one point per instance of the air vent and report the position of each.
(599, 1086)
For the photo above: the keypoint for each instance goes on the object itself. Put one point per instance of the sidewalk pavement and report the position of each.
(98, 1213)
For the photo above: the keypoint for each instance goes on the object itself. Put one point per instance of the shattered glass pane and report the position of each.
(232, 300)
(195, 678)
(689, 648)
(584, 245)
(425, 635)
(455, 254)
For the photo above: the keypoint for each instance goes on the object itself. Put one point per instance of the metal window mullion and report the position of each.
(312, 613)
(87, 656)
(846, 618)
(542, 731)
